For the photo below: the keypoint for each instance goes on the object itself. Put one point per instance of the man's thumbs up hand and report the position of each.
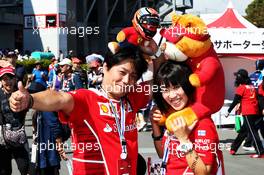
(21, 87)
(20, 99)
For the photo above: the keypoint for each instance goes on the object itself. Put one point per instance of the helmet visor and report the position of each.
(150, 20)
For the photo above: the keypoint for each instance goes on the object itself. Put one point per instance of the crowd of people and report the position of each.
(65, 76)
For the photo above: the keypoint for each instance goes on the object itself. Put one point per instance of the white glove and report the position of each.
(148, 75)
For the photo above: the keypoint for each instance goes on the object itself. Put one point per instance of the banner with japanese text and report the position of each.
(238, 41)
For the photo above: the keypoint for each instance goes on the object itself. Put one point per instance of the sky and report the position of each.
(218, 6)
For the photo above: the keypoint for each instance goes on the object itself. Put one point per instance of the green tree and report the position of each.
(255, 13)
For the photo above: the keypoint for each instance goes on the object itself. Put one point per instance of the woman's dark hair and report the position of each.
(242, 77)
(124, 53)
(172, 73)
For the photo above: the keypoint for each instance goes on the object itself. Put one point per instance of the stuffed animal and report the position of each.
(188, 40)
(145, 23)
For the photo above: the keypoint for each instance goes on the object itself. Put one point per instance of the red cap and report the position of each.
(7, 70)
(76, 60)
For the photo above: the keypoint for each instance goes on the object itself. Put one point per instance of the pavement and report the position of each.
(238, 164)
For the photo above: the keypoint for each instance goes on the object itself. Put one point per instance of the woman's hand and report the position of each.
(155, 115)
(60, 149)
(180, 129)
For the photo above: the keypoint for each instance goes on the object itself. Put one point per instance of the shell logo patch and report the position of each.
(104, 108)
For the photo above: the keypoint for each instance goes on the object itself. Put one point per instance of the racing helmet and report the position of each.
(146, 21)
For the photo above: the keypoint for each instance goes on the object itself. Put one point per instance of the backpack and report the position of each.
(10, 135)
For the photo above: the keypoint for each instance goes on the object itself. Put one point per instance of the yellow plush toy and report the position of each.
(188, 40)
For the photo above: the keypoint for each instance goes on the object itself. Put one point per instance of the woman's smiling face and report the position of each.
(175, 97)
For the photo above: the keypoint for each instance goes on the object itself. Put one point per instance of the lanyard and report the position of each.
(120, 127)
(165, 155)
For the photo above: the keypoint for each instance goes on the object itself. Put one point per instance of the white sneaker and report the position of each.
(251, 148)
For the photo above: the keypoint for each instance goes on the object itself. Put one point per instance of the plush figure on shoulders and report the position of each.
(188, 40)
(145, 23)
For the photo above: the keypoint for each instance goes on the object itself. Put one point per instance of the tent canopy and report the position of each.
(231, 19)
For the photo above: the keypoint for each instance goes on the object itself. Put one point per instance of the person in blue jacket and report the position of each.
(39, 78)
(49, 133)
(256, 77)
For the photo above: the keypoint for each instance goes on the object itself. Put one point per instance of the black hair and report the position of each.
(242, 79)
(9, 76)
(141, 165)
(259, 65)
(11, 55)
(172, 73)
(124, 53)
